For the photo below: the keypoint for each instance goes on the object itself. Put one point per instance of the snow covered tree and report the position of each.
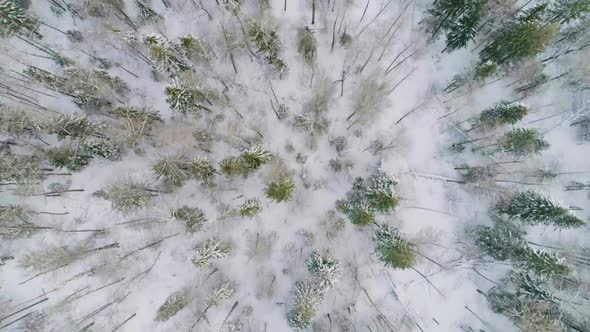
(367, 197)
(173, 304)
(314, 123)
(14, 223)
(183, 99)
(20, 168)
(202, 169)
(14, 19)
(323, 267)
(255, 156)
(392, 249)
(502, 114)
(195, 49)
(101, 148)
(542, 262)
(173, 170)
(19, 123)
(69, 157)
(193, 218)
(523, 142)
(146, 13)
(345, 40)
(211, 249)
(165, 55)
(458, 18)
(136, 123)
(307, 296)
(566, 11)
(280, 190)
(518, 40)
(533, 208)
(250, 208)
(307, 45)
(221, 294)
(267, 45)
(234, 166)
(74, 125)
(501, 241)
(127, 196)
(50, 258)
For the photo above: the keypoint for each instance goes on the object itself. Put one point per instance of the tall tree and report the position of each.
(14, 19)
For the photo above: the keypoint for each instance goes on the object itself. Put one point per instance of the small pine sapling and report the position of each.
(307, 45)
(523, 142)
(392, 249)
(504, 113)
(280, 190)
(250, 208)
(173, 304)
(193, 218)
(345, 40)
(211, 249)
(533, 208)
(127, 196)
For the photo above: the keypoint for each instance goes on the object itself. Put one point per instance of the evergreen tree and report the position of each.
(518, 40)
(323, 267)
(314, 123)
(566, 11)
(267, 45)
(367, 197)
(459, 18)
(307, 45)
(174, 171)
(20, 168)
(146, 13)
(180, 99)
(307, 296)
(523, 142)
(392, 249)
(255, 156)
(202, 169)
(196, 49)
(136, 123)
(127, 196)
(345, 40)
(101, 148)
(534, 209)
(19, 123)
(68, 157)
(234, 166)
(14, 19)
(280, 190)
(542, 262)
(221, 294)
(75, 125)
(193, 218)
(165, 55)
(502, 114)
(173, 304)
(211, 249)
(501, 241)
(250, 208)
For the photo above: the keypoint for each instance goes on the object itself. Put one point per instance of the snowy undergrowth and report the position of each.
(236, 266)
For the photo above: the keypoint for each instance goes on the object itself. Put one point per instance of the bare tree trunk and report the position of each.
(313, 12)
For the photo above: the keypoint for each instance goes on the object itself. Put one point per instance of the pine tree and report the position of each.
(392, 249)
(173, 304)
(126, 196)
(20, 168)
(280, 190)
(501, 241)
(267, 45)
(221, 294)
(14, 19)
(211, 249)
(202, 169)
(101, 148)
(15, 223)
(307, 295)
(173, 170)
(146, 13)
(523, 142)
(165, 55)
(518, 40)
(542, 262)
(75, 125)
(532, 208)
(196, 49)
(68, 157)
(255, 156)
(234, 166)
(345, 40)
(566, 11)
(323, 267)
(180, 99)
(19, 123)
(307, 45)
(136, 123)
(502, 114)
(250, 208)
(193, 218)
(459, 18)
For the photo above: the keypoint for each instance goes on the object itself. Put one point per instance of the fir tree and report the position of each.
(323, 267)
(14, 19)
(127, 196)
(523, 142)
(173, 304)
(211, 249)
(255, 156)
(165, 55)
(146, 13)
(392, 249)
(460, 19)
(307, 45)
(280, 190)
(500, 241)
(193, 218)
(533, 208)
(250, 208)
(68, 157)
(542, 262)
(502, 114)
(520, 39)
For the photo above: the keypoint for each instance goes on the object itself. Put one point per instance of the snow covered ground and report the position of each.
(127, 283)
